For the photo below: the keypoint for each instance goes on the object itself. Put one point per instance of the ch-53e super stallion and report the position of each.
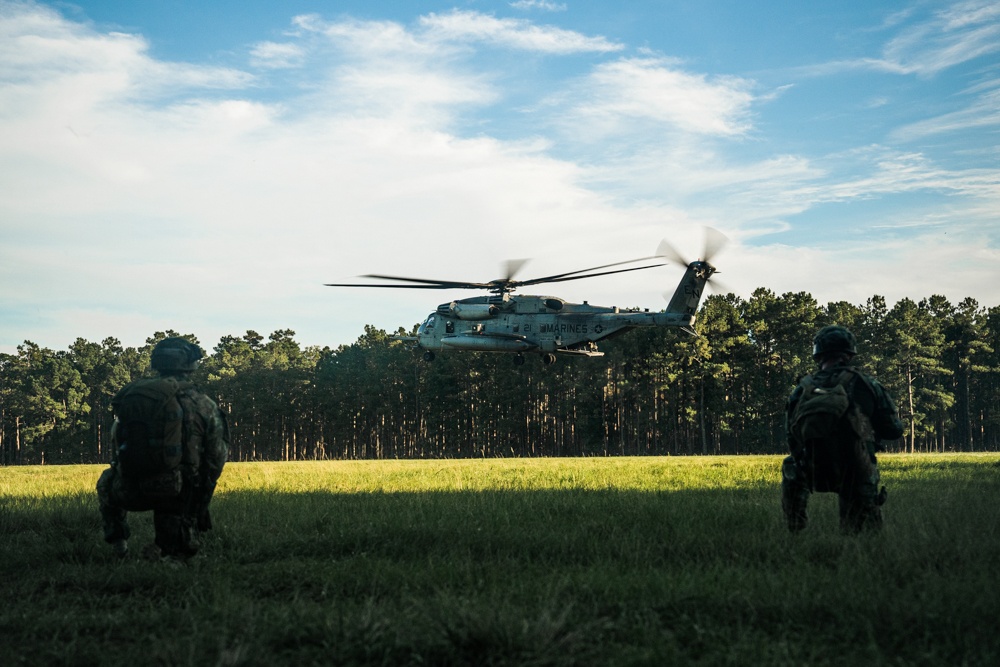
(506, 322)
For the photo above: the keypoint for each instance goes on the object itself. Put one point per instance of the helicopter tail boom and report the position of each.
(687, 296)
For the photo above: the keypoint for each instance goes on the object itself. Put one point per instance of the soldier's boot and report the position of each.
(859, 514)
(794, 495)
(861, 504)
(872, 509)
(120, 548)
(862, 519)
(176, 535)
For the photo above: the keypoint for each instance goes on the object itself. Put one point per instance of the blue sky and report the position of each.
(207, 166)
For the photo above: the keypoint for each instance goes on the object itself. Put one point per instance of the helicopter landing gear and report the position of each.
(428, 356)
(548, 358)
(518, 359)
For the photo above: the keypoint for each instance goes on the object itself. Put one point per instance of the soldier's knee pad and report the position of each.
(794, 480)
(790, 471)
(104, 484)
(786, 463)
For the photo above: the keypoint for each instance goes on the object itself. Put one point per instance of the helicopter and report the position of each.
(502, 321)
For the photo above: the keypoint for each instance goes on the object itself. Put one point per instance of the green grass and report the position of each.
(623, 561)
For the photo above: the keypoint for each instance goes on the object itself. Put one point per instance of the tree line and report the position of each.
(656, 391)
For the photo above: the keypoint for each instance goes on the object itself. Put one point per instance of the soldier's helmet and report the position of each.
(175, 355)
(834, 339)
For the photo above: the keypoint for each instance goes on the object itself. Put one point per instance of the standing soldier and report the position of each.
(171, 442)
(834, 419)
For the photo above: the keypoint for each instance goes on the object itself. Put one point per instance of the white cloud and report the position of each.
(542, 5)
(274, 55)
(616, 95)
(36, 44)
(956, 34)
(512, 33)
(368, 39)
(983, 112)
(928, 45)
(380, 68)
(916, 267)
(892, 172)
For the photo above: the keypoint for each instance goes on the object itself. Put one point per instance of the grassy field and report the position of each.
(623, 561)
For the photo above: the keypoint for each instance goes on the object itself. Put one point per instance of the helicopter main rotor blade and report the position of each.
(419, 283)
(443, 283)
(561, 277)
(567, 276)
(429, 286)
(501, 285)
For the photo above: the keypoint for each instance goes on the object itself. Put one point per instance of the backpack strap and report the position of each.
(851, 377)
(859, 417)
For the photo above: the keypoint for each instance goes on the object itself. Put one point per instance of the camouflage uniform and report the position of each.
(860, 499)
(177, 520)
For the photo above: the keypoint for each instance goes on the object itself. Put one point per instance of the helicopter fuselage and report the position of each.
(527, 323)
(505, 322)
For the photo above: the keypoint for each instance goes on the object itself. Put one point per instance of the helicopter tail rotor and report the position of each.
(714, 242)
(687, 297)
(669, 252)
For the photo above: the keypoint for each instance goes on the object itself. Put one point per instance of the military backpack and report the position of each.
(829, 427)
(150, 434)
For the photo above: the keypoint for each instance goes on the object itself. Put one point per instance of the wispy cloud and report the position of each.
(274, 55)
(36, 43)
(615, 95)
(519, 34)
(423, 71)
(956, 34)
(893, 172)
(983, 112)
(541, 5)
(384, 69)
(369, 39)
(434, 33)
(925, 45)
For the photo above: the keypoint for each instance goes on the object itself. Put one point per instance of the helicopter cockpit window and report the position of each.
(428, 323)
